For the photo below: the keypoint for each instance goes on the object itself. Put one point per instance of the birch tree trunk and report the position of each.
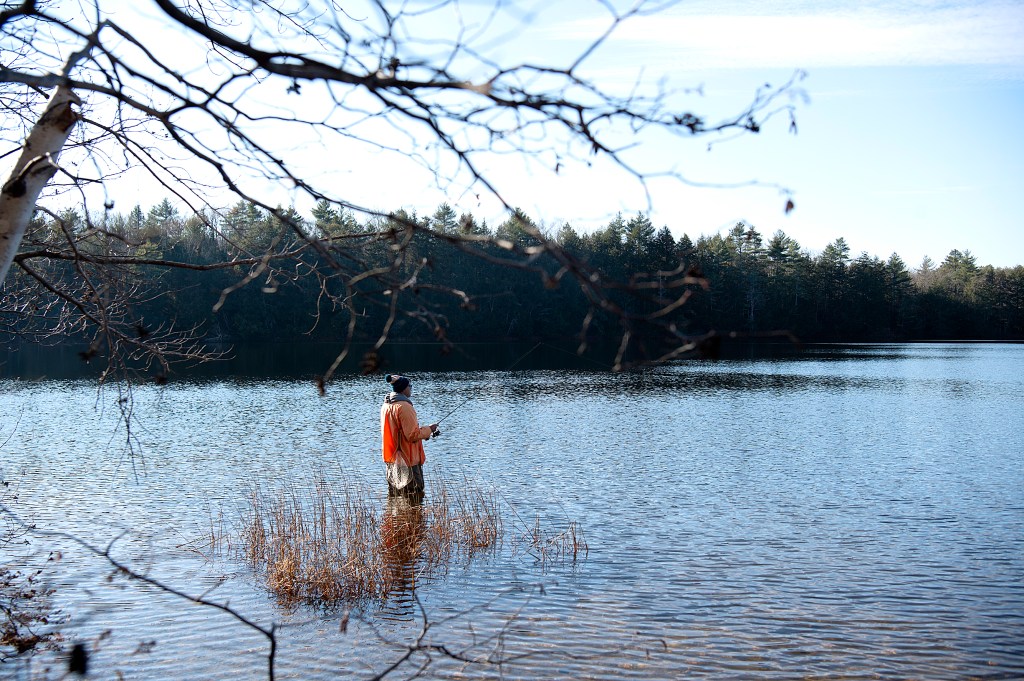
(36, 165)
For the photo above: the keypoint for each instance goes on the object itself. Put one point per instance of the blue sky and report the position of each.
(909, 139)
(909, 125)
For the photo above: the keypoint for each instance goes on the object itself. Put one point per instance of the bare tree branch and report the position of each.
(199, 128)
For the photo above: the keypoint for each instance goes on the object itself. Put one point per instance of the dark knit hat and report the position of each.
(398, 383)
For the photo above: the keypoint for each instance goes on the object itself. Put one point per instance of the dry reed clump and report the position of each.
(324, 546)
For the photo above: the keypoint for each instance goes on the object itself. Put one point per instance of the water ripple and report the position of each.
(851, 514)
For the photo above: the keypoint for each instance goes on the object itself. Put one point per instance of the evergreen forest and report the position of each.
(757, 284)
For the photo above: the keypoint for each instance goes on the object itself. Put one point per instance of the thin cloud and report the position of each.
(926, 191)
(698, 36)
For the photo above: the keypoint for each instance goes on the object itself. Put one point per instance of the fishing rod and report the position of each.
(471, 397)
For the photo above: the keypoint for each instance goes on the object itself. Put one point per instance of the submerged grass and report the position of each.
(326, 545)
(548, 546)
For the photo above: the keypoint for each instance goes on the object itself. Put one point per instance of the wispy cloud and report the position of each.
(926, 191)
(708, 35)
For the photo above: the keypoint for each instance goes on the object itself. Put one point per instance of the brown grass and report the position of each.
(329, 544)
(325, 545)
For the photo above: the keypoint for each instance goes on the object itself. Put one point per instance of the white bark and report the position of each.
(36, 165)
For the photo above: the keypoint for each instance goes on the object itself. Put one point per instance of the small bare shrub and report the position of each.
(28, 619)
(548, 546)
(26, 612)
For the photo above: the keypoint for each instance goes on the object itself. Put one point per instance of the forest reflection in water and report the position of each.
(307, 360)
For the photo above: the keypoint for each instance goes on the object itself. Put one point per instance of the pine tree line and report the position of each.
(756, 285)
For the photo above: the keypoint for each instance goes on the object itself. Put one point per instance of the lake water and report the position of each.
(847, 513)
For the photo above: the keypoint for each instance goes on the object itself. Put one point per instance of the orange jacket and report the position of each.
(401, 430)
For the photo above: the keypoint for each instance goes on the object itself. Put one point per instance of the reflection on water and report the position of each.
(402, 529)
(305, 361)
(847, 513)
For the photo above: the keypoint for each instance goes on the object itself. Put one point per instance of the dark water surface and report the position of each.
(854, 512)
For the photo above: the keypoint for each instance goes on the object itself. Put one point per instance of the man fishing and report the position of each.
(402, 439)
